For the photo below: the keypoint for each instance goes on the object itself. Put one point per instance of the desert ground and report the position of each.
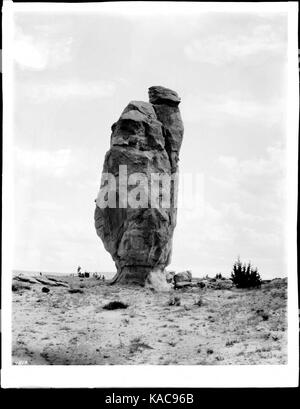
(214, 325)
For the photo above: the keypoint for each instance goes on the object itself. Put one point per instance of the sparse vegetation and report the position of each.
(136, 344)
(114, 305)
(264, 315)
(231, 343)
(219, 326)
(174, 300)
(245, 275)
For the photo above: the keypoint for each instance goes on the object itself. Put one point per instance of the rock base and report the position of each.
(143, 276)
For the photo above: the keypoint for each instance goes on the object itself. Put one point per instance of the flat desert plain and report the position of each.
(192, 326)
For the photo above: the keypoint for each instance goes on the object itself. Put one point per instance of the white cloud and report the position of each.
(45, 206)
(228, 229)
(224, 48)
(48, 91)
(259, 182)
(273, 163)
(261, 239)
(232, 107)
(54, 163)
(41, 52)
(245, 108)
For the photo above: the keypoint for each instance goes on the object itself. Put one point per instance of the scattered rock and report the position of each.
(114, 305)
(220, 284)
(45, 282)
(156, 281)
(170, 276)
(184, 276)
(56, 280)
(61, 284)
(75, 290)
(20, 286)
(25, 279)
(182, 284)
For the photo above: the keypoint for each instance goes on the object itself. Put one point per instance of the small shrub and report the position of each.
(115, 305)
(174, 301)
(75, 291)
(136, 344)
(244, 275)
(264, 315)
(231, 343)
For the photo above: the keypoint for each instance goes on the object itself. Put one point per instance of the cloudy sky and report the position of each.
(75, 73)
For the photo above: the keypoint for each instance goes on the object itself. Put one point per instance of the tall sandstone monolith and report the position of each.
(134, 217)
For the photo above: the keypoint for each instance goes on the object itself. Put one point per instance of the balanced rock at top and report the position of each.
(135, 213)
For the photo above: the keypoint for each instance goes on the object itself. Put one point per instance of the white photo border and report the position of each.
(150, 375)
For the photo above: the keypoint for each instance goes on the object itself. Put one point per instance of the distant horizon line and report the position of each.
(114, 272)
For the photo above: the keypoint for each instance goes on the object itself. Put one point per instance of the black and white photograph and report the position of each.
(150, 193)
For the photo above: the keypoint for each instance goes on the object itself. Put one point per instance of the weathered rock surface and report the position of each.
(184, 276)
(138, 233)
(25, 279)
(17, 286)
(184, 284)
(51, 282)
(45, 290)
(170, 276)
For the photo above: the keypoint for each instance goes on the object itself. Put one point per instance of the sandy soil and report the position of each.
(229, 326)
